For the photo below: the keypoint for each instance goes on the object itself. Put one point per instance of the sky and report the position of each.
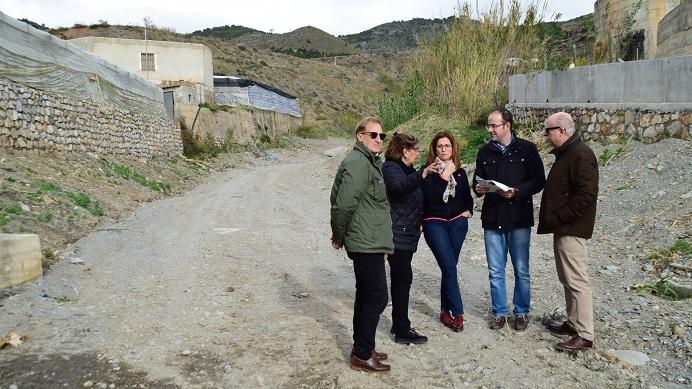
(337, 17)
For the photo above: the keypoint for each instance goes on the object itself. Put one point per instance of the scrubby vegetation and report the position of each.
(462, 76)
(224, 32)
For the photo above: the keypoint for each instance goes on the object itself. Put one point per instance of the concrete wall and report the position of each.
(609, 16)
(648, 99)
(243, 124)
(174, 61)
(659, 84)
(675, 32)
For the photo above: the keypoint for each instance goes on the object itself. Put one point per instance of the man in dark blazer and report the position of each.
(507, 216)
(568, 211)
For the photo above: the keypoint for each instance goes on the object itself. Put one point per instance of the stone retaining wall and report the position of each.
(31, 119)
(614, 125)
(243, 124)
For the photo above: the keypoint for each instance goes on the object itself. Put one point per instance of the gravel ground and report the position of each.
(234, 284)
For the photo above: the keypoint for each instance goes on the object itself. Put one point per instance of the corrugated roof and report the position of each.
(244, 83)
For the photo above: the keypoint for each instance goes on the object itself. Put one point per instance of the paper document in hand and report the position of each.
(492, 185)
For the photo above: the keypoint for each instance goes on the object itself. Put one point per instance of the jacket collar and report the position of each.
(372, 157)
(497, 147)
(558, 151)
(403, 165)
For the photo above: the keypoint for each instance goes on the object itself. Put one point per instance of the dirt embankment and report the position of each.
(234, 284)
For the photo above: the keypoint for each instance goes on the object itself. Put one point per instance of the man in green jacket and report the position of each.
(361, 223)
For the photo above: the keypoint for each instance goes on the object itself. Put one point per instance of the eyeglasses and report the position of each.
(444, 147)
(374, 135)
(548, 129)
(414, 148)
(489, 126)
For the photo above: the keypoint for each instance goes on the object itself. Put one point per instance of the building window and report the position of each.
(147, 61)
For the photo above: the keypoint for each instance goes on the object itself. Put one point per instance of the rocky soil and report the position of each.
(234, 284)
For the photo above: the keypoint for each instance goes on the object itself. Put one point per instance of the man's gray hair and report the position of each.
(565, 121)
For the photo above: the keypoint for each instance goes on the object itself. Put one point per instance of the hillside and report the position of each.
(225, 32)
(398, 36)
(405, 35)
(309, 41)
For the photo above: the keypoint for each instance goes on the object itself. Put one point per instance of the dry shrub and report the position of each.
(466, 72)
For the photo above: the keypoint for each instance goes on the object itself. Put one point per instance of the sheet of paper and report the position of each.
(492, 184)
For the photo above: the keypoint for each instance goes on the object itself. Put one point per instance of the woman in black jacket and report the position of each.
(403, 184)
(447, 205)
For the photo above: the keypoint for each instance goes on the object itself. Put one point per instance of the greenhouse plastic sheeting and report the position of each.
(41, 61)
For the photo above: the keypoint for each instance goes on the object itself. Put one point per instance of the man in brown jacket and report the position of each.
(568, 211)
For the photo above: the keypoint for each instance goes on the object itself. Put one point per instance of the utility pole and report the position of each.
(146, 51)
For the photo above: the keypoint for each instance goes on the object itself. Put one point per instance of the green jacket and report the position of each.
(360, 215)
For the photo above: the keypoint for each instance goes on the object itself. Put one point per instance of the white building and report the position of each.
(183, 70)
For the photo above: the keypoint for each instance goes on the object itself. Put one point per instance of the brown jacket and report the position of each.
(568, 206)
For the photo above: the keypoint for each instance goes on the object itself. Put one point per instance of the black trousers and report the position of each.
(371, 300)
(401, 277)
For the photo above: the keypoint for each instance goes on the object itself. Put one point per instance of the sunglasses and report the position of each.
(547, 129)
(374, 135)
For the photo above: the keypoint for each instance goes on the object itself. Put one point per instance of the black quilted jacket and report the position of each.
(403, 185)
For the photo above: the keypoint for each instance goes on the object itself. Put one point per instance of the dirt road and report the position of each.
(234, 284)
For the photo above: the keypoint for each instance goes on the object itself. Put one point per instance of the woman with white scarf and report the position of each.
(447, 206)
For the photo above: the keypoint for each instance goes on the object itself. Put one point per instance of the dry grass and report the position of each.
(467, 70)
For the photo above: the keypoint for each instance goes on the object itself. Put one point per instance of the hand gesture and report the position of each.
(432, 168)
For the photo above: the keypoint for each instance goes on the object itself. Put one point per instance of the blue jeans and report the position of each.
(445, 239)
(497, 243)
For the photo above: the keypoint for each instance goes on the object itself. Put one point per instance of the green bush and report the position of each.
(14, 209)
(345, 122)
(471, 141)
(46, 217)
(82, 199)
(129, 174)
(96, 209)
(396, 110)
(660, 288)
(309, 132)
(47, 187)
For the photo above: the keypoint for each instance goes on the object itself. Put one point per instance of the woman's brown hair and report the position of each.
(432, 152)
(399, 142)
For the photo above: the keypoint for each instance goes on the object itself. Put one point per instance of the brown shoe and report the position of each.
(562, 329)
(498, 323)
(575, 344)
(380, 356)
(521, 322)
(372, 365)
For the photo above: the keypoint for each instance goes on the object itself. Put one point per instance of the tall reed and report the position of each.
(466, 71)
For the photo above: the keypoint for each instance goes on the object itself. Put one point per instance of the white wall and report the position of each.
(174, 61)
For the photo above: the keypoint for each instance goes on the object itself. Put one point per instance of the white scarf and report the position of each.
(451, 183)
